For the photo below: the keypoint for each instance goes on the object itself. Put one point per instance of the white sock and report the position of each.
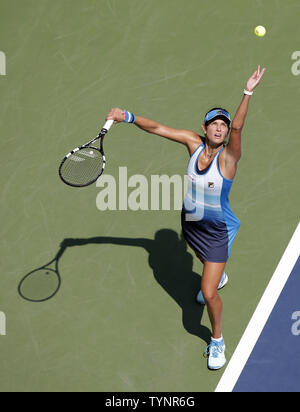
(217, 340)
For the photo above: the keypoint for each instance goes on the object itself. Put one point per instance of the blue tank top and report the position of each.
(207, 198)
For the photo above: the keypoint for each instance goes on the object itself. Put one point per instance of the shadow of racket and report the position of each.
(42, 284)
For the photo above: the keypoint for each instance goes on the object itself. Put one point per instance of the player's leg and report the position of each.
(212, 274)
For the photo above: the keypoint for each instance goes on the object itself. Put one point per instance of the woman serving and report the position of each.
(209, 226)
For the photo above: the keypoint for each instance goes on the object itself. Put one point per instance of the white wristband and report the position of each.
(248, 93)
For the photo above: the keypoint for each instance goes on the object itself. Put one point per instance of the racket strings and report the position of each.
(83, 167)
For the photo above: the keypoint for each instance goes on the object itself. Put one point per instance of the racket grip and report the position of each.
(108, 124)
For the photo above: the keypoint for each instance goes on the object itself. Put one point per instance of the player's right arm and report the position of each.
(187, 137)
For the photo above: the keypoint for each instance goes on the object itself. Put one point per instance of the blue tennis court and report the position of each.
(274, 362)
(274, 365)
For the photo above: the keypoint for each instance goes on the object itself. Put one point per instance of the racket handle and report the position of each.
(108, 124)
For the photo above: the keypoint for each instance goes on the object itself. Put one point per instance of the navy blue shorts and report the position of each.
(209, 239)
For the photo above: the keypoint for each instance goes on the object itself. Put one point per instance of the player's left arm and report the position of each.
(234, 146)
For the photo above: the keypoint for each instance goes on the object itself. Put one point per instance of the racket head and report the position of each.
(83, 166)
(40, 285)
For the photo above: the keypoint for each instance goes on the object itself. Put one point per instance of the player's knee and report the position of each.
(210, 294)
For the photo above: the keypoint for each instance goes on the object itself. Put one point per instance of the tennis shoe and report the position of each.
(223, 282)
(215, 352)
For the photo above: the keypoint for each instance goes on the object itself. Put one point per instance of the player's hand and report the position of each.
(255, 79)
(116, 114)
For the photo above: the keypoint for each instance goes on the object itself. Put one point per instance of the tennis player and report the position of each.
(209, 226)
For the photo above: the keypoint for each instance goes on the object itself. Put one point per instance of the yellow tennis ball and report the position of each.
(260, 31)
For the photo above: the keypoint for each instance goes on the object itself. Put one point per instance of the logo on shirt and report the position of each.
(211, 185)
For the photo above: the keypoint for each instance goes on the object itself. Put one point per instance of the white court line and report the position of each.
(261, 315)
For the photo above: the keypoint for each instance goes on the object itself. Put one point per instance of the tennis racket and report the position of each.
(85, 164)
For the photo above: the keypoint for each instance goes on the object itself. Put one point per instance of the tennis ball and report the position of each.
(260, 31)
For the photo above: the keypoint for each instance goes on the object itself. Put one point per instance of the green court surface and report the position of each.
(125, 317)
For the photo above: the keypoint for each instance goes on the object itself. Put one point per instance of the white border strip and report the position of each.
(261, 315)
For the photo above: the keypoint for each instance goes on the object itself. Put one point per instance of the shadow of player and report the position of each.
(172, 267)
